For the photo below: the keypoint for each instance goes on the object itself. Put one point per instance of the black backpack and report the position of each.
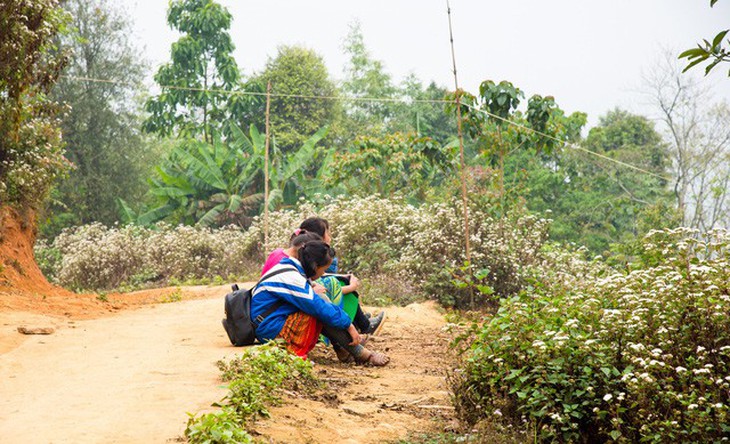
(238, 324)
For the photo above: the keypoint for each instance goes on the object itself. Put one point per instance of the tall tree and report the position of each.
(696, 128)
(195, 86)
(31, 155)
(31, 149)
(101, 128)
(423, 111)
(499, 130)
(593, 201)
(304, 95)
(366, 77)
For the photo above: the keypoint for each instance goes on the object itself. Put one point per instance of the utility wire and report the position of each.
(263, 94)
(386, 99)
(569, 144)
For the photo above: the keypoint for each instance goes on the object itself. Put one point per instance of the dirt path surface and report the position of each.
(130, 377)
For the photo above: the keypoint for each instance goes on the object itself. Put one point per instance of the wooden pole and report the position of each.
(467, 250)
(266, 168)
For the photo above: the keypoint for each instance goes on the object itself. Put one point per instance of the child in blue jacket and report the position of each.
(302, 314)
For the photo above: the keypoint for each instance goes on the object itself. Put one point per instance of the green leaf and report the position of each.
(692, 53)
(210, 217)
(712, 65)
(615, 434)
(718, 38)
(700, 60)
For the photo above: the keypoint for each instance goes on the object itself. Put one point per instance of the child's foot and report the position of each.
(373, 358)
(376, 323)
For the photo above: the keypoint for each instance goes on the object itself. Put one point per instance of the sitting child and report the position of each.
(302, 315)
(365, 324)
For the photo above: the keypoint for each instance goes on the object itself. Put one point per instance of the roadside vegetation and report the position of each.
(592, 306)
(256, 380)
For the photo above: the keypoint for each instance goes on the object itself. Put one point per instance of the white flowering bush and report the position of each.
(422, 246)
(31, 146)
(95, 257)
(642, 356)
(408, 251)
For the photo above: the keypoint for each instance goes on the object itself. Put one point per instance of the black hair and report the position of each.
(315, 254)
(297, 240)
(315, 225)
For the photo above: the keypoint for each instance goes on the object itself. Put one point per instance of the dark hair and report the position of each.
(315, 225)
(303, 238)
(315, 254)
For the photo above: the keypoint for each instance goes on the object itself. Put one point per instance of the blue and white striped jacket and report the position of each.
(293, 288)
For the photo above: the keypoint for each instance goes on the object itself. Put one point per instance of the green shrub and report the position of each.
(48, 259)
(422, 246)
(216, 428)
(642, 356)
(387, 240)
(256, 380)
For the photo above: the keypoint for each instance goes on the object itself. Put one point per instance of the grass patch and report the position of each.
(19, 268)
(256, 380)
(175, 296)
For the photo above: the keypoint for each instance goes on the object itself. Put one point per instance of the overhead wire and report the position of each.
(388, 100)
(568, 144)
(278, 95)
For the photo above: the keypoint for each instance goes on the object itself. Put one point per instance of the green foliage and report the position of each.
(384, 165)
(423, 111)
(499, 131)
(220, 183)
(256, 380)
(209, 184)
(475, 282)
(48, 259)
(365, 78)
(715, 52)
(31, 155)
(196, 84)
(500, 100)
(642, 356)
(595, 202)
(216, 428)
(110, 158)
(297, 71)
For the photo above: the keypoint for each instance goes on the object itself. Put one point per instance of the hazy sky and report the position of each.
(590, 55)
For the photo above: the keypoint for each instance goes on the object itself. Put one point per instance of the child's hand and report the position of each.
(354, 282)
(319, 289)
(356, 339)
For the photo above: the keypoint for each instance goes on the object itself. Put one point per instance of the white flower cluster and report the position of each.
(29, 169)
(96, 257)
(649, 348)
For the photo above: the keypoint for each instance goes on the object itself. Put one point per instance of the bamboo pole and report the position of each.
(266, 168)
(467, 251)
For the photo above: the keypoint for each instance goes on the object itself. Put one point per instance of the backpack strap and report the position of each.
(260, 318)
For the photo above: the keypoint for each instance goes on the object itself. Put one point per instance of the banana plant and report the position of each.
(209, 184)
(288, 177)
(219, 183)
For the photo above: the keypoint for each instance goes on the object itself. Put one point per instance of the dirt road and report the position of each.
(131, 377)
